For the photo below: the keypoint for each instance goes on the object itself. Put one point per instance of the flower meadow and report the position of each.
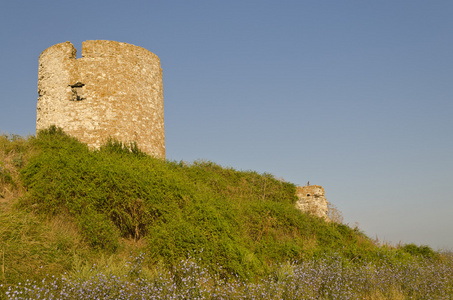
(331, 277)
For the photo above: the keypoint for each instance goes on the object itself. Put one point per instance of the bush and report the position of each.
(98, 230)
(423, 250)
(241, 220)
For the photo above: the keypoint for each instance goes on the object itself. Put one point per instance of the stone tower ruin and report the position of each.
(114, 90)
(312, 199)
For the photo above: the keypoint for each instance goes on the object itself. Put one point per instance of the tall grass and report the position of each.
(241, 220)
(69, 208)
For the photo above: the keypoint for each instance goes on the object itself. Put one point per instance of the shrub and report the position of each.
(423, 250)
(241, 220)
(98, 230)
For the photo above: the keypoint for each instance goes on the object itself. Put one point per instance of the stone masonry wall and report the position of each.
(114, 90)
(311, 198)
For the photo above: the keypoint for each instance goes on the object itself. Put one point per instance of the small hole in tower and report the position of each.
(77, 91)
(308, 195)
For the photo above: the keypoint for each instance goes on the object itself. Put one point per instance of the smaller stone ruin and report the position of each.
(311, 198)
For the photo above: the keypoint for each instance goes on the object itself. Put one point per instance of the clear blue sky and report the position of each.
(356, 96)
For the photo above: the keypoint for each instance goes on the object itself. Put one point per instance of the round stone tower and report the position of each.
(114, 90)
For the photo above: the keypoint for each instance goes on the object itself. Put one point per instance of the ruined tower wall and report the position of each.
(311, 198)
(115, 90)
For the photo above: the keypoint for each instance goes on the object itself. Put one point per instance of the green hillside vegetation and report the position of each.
(65, 208)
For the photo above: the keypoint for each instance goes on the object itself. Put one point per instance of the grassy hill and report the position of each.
(67, 209)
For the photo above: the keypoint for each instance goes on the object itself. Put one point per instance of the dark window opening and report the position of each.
(77, 91)
(308, 195)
